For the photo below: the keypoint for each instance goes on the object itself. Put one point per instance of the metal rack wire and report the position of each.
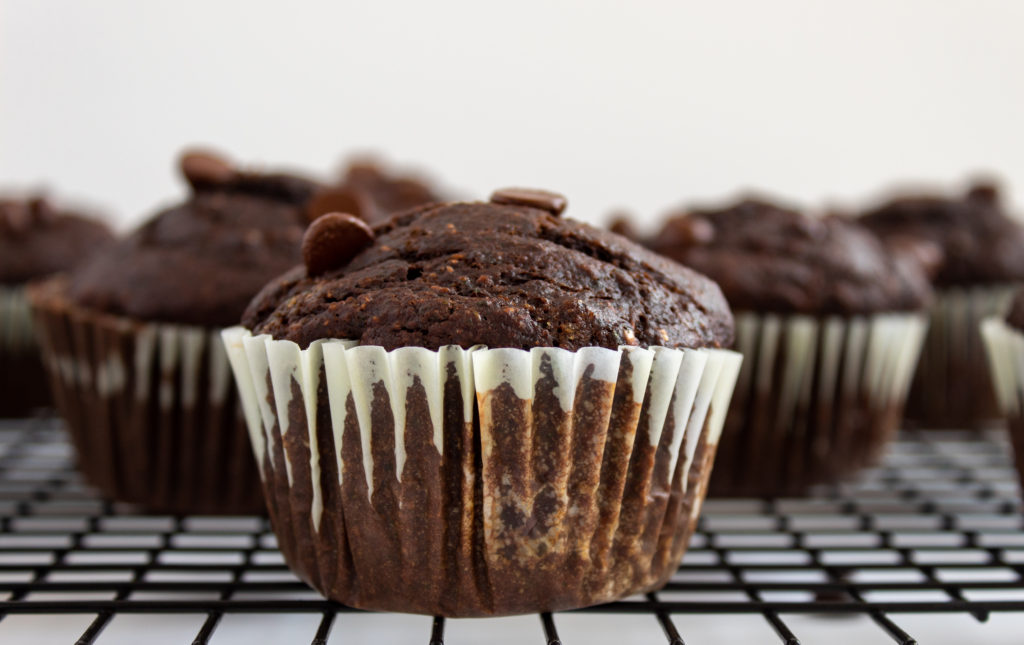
(936, 528)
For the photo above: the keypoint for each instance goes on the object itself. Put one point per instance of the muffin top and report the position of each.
(508, 273)
(372, 193)
(980, 242)
(769, 258)
(201, 261)
(37, 239)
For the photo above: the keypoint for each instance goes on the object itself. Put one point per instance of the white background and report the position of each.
(636, 104)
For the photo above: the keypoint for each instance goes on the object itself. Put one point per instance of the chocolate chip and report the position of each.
(332, 240)
(337, 200)
(984, 192)
(41, 210)
(691, 231)
(532, 197)
(204, 169)
(15, 217)
(622, 224)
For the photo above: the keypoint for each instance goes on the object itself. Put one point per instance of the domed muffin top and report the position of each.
(509, 273)
(980, 242)
(201, 261)
(768, 258)
(37, 239)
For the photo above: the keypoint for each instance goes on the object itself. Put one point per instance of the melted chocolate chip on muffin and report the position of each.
(769, 258)
(201, 261)
(980, 242)
(501, 275)
(37, 239)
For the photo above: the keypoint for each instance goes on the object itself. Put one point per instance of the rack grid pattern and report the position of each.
(936, 528)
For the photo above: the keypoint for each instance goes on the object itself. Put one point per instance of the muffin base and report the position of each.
(816, 401)
(1005, 349)
(23, 383)
(952, 387)
(481, 482)
(151, 410)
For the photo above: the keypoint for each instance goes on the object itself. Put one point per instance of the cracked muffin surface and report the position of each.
(496, 274)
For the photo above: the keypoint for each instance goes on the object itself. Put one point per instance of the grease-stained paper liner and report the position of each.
(817, 399)
(151, 409)
(23, 384)
(473, 482)
(1005, 345)
(952, 387)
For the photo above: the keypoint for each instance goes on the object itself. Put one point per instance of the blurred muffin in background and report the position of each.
(373, 192)
(982, 258)
(829, 325)
(37, 240)
(132, 339)
(1004, 339)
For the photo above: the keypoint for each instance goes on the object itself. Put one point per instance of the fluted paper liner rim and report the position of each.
(804, 379)
(150, 406)
(15, 319)
(695, 377)
(511, 399)
(1005, 347)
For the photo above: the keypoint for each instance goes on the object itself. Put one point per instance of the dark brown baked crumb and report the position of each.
(501, 276)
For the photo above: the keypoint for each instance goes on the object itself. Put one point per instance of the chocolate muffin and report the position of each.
(37, 240)
(409, 468)
(132, 338)
(373, 193)
(982, 257)
(828, 323)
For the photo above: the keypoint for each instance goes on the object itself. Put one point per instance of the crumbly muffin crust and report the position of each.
(508, 274)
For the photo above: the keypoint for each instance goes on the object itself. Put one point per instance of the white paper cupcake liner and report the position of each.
(151, 409)
(1005, 348)
(15, 320)
(816, 399)
(481, 481)
(952, 387)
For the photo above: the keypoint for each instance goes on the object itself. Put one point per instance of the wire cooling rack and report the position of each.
(936, 528)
